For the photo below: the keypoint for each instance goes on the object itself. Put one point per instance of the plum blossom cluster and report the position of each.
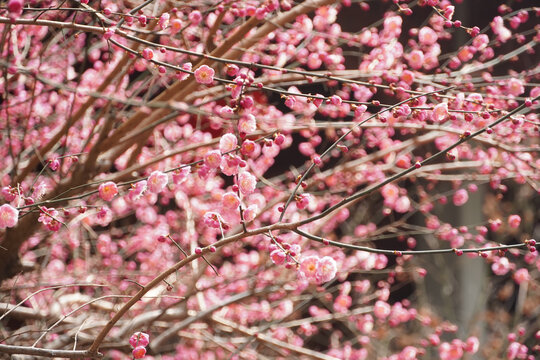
(316, 269)
(250, 132)
(139, 341)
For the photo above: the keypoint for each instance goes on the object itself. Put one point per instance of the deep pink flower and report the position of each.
(108, 190)
(302, 201)
(147, 53)
(139, 352)
(139, 339)
(15, 8)
(204, 75)
(278, 256)
(9, 193)
(9, 216)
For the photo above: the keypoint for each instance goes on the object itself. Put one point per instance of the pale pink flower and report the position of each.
(408, 353)
(250, 212)
(164, 21)
(181, 75)
(390, 192)
(309, 267)
(501, 266)
(228, 142)
(472, 344)
(139, 339)
(180, 175)
(226, 111)
(460, 197)
(157, 181)
(246, 183)
(427, 36)
(137, 190)
(195, 17)
(230, 201)
(453, 351)
(212, 159)
(514, 221)
(247, 124)
(416, 59)
(402, 204)
(515, 87)
(104, 216)
(381, 309)
(327, 269)
(9, 216)
(108, 190)
(204, 75)
(342, 303)
(522, 276)
(9, 193)
(440, 112)
(497, 25)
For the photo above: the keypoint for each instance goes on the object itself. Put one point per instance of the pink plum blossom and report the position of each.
(228, 142)
(460, 197)
(246, 183)
(440, 112)
(139, 339)
(327, 269)
(139, 352)
(381, 309)
(157, 181)
(9, 216)
(230, 201)
(521, 276)
(204, 75)
(212, 159)
(108, 190)
(309, 267)
(514, 221)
